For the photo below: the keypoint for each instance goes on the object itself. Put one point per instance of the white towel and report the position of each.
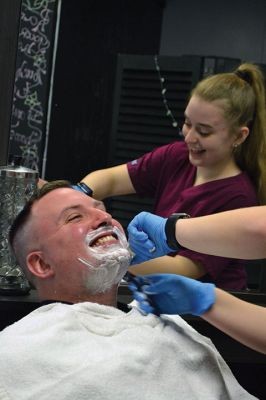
(88, 351)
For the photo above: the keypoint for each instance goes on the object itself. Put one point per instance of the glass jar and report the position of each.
(17, 185)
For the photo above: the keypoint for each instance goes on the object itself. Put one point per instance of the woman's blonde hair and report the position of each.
(241, 95)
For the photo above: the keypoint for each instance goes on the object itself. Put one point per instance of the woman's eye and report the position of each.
(202, 133)
(188, 125)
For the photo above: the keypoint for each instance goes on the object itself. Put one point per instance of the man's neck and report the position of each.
(108, 298)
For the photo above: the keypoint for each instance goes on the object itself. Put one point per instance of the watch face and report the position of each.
(180, 215)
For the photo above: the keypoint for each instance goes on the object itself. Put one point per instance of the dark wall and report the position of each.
(9, 24)
(226, 28)
(91, 34)
(32, 82)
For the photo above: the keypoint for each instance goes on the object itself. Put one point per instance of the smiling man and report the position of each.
(77, 344)
(74, 249)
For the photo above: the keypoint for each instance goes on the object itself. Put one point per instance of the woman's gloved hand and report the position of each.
(147, 238)
(172, 294)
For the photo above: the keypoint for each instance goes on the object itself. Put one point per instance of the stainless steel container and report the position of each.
(17, 184)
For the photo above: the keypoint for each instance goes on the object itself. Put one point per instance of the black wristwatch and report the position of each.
(82, 187)
(170, 230)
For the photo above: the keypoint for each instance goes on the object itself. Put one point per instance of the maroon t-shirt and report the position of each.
(167, 175)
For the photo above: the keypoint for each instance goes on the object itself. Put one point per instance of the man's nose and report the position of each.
(100, 218)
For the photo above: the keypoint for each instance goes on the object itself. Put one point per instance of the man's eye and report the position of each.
(73, 217)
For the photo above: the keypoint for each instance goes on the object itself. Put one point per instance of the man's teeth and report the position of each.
(103, 240)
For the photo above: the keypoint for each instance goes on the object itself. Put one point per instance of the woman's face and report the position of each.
(207, 134)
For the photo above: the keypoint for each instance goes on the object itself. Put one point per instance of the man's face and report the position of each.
(82, 243)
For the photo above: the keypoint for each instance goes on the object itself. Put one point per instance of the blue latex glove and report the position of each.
(147, 238)
(172, 294)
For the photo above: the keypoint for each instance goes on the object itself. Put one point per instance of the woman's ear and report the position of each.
(38, 267)
(241, 135)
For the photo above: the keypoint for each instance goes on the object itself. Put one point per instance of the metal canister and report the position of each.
(17, 185)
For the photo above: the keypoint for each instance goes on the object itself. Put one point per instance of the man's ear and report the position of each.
(37, 266)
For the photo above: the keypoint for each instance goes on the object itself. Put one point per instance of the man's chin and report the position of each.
(105, 277)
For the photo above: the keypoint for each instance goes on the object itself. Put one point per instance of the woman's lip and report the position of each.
(195, 150)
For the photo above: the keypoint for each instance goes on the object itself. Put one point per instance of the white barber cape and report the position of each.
(87, 351)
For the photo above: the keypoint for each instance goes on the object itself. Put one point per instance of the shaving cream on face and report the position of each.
(107, 264)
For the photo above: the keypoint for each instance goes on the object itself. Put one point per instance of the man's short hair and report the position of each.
(24, 214)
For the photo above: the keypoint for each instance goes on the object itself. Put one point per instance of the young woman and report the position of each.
(220, 165)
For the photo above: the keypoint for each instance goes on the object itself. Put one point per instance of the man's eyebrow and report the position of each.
(96, 203)
(77, 207)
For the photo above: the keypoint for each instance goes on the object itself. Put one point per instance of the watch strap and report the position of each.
(170, 230)
(82, 187)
